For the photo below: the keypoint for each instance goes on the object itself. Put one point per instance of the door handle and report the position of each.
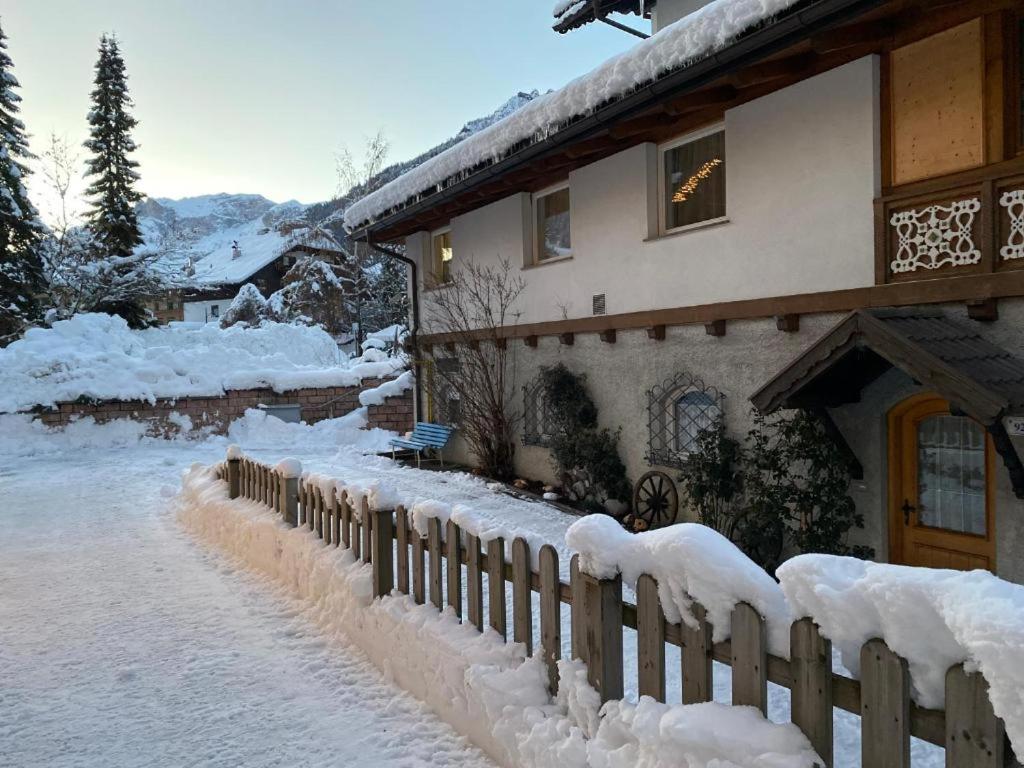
(907, 508)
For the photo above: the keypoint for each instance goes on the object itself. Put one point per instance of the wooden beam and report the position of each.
(530, 341)
(590, 146)
(568, 338)
(788, 323)
(853, 34)
(656, 332)
(767, 71)
(983, 310)
(608, 336)
(833, 431)
(716, 95)
(715, 327)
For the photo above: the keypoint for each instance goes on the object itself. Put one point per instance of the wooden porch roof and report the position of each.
(977, 377)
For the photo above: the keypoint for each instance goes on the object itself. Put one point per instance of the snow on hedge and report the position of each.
(484, 687)
(693, 37)
(690, 562)
(98, 356)
(933, 618)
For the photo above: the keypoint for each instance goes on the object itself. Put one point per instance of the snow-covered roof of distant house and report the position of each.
(674, 47)
(256, 250)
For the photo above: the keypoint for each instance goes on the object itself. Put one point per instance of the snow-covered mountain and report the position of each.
(201, 230)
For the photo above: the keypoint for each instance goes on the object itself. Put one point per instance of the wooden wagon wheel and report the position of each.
(655, 500)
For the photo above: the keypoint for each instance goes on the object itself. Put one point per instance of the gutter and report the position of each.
(748, 49)
(415, 309)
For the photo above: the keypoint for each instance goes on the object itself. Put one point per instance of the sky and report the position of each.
(257, 96)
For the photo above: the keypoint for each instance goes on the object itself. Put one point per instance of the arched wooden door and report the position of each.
(940, 487)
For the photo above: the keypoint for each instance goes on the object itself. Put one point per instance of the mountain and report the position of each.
(195, 228)
(329, 213)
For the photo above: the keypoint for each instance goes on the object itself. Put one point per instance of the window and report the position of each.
(692, 181)
(441, 245)
(679, 410)
(553, 238)
(536, 414)
(446, 403)
(215, 310)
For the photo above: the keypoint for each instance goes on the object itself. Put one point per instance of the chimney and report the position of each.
(235, 250)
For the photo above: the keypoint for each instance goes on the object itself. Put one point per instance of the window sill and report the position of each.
(688, 229)
(546, 262)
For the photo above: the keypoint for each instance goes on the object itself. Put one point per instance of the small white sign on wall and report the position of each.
(1014, 425)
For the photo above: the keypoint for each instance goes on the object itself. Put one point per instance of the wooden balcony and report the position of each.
(968, 223)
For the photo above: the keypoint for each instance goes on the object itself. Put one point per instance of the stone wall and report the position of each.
(219, 411)
(395, 414)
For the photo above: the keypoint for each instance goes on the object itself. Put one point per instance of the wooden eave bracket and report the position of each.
(608, 336)
(715, 328)
(568, 338)
(530, 341)
(983, 310)
(833, 431)
(656, 333)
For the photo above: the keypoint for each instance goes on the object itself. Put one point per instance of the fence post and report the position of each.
(318, 512)
(453, 553)
(522, 609)
(402, 529)
(367, 519)
(601, 634)
(234, 472)
(383, 566)
(346, 520)
(575, 615)
(975, 737)
(419, 581)
(496, 585)
(434, 543)
(550, 614)
(697, 663)
(650, 639)
(811, 668)
(290, 502)
(474, 583)
(749, 658)
(884, 707)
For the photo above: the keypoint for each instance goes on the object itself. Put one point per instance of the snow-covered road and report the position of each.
(124, 644)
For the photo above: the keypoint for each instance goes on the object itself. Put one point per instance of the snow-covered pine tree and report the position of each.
(21, 273)
(112, 194)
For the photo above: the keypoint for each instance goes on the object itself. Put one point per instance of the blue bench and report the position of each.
(424, 437)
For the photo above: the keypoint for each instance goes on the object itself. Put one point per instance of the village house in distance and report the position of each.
(826, 214)
(261, 257)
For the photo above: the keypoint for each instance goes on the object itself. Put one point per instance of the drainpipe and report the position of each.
(418, 404)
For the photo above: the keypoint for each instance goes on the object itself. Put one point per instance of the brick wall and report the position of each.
(317, 404)
(394, 414)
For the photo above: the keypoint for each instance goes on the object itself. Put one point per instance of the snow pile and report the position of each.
(690, 562)
(564, 6)
(390, 337)
(481, 685)
(258, 430)
(693, 37)
(21, 435)
(98, 356)
(390, 388)
(933, 618)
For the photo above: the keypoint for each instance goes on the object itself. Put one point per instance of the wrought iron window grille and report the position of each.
(536, 415)
(678, 410)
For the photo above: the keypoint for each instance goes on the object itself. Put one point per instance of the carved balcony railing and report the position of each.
(966, 223)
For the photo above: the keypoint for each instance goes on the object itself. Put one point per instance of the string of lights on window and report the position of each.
(687, 188)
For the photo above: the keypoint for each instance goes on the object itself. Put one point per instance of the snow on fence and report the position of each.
(435, 566)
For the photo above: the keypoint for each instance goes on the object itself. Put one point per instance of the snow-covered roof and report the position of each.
(677, 45)
(256, 250)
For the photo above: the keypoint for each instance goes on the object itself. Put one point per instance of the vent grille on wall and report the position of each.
(599, 304)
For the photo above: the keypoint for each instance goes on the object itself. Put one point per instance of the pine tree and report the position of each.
(21, 274)
(113, 196)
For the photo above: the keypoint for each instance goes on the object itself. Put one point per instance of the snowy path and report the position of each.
(123, 644)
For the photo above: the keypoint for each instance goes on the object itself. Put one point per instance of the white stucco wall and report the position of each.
(801, 174)
(199, 311)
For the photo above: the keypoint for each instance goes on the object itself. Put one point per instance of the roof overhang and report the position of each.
(475, 188)
(979, 379)
(598, 9)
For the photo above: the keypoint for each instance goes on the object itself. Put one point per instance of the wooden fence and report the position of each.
(434, 567)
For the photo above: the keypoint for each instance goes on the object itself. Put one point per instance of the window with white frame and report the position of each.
(553, 239)
(679, 410)
(691, 180)
(441, 254)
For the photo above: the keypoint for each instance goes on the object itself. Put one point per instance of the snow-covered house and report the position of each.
(784, 203)
(262, 258)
